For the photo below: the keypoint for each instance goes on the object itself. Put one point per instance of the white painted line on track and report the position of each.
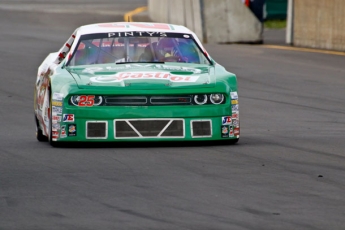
(293, 48)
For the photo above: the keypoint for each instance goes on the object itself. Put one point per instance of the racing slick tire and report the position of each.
(39, 133)
(232, 141)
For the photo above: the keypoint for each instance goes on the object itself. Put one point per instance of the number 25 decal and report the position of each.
(86, 100)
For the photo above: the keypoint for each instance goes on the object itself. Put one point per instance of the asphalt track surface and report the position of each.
(286, 172)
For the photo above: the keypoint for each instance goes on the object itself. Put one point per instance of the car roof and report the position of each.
(131, 26)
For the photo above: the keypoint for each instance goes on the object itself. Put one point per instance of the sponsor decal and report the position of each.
(137, 34)
(57, 103)
(235, 115)
(233, 95)
(86, 100)
(58, 96)
(56, 119)
(56, 110)
(63, 132)
(237, 131)
(68, 118)
(231, 131)
(56, 126)
(93, 70)
(72, 130)
(55, 134)
(119, 77)
(225, 131)
(226, 120)
(234, 102)
(235, 122)
(234, 108)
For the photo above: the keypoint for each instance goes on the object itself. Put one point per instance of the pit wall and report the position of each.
(213, 21)
(319, 24)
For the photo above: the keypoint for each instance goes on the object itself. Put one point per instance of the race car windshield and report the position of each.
(137, 47)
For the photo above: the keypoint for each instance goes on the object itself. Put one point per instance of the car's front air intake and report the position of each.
(149, 128)
(201, 128)
(96, 129)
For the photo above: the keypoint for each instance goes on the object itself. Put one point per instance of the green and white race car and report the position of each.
(120, 82)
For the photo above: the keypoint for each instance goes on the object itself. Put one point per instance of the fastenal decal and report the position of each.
(68, 118)
(226, 120)
(143, 75)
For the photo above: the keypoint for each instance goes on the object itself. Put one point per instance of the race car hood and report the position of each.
(144, 76)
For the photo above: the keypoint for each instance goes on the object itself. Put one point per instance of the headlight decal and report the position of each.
(86, 100)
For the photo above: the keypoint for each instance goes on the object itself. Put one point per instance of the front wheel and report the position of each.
(232, 141)
(39, 133)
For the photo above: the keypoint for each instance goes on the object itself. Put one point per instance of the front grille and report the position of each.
(202, 128)
(171, 100)
(148, 100)
(96, 129)
(149, 128)
(130, 100)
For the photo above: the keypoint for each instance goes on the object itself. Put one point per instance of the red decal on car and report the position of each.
(86, 100)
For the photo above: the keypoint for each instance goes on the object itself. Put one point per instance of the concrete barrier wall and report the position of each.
(158, 10)
(180, 12)
(228, 21)
(319, 24)
(214, 21)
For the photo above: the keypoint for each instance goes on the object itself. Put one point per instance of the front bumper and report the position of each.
(147, 123)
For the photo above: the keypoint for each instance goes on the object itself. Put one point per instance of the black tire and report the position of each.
(39, 133)
(232, 141)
